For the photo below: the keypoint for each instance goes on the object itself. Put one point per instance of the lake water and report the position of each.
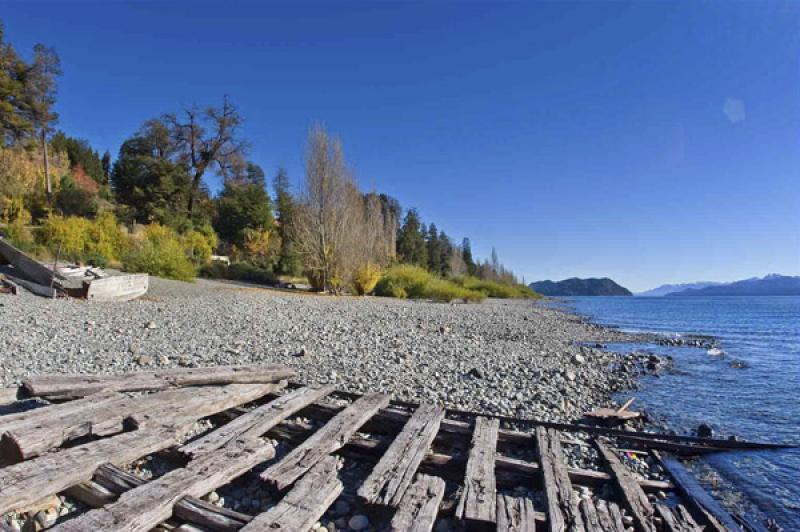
(760, 401)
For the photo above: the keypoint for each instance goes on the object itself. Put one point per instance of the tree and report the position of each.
(242, 207)
(466, 256)
(105, 162)
(39, 97)
(288, 259)
(80, 154)
(411, 246)
(206, 140)
(14, 121)
(434, 250)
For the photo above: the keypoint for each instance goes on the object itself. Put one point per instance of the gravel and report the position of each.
(516, 358)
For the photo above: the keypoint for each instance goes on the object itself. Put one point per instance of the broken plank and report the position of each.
(516, 514)
(633, 497)
(331, 437)
(393, 474)
(8, 396)
(676, 521)
(44, 290)
(419, 507)
(477, 505)
(117, 287)
(305, 503)
(28, 267)
(27, 482)
(563, 512)
(55, 425)
(698, 499)
(81, 385)
(142, 508)
(256, 422)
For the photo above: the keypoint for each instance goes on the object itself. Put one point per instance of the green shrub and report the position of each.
(365, 278)
(238, 271)
(65, 236)
(407, 281)
(494, 288)
(159, 252)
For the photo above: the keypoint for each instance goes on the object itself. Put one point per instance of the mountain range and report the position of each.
(769, 285)
(580, 287)
(666, 289)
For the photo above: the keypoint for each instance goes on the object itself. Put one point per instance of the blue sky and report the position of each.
(650, 142)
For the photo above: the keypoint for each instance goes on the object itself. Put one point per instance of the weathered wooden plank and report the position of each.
(256, 422)
(82, 385)
(109, 482)
(50, 427)
(117, 287)
(142, 508)
(609, 516)
(26, 482)
(389, 479)
(510, 472)
(563, 512)
(589, 515)
(698, 500)
(419, 507)
(633, 497)
(28, 267)
(676, 520)
(477, 505)
(8, 396)
(305, 503)
(44, 290)
(329, 438)
(516, 514)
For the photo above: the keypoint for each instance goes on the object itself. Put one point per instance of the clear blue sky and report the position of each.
(648, 142)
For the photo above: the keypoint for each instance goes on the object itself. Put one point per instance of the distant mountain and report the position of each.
(770, 285)
(667, 289)
(580, 287)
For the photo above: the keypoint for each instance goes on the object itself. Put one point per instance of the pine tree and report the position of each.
(288, 260)
(411, 245)
(466, 254)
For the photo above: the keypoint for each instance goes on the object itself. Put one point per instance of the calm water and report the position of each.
(760, 401)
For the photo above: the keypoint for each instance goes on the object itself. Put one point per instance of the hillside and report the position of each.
(669, 289)
(770, 285)
(580, 287)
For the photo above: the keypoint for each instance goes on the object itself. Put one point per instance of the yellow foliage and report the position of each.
(261, 247)
(22, 169)
(105, 238)
(199, 246)
(66, 236)
(16, 219)
(159, 252)
(365, 278)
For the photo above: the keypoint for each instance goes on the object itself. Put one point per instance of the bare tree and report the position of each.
(207, 139)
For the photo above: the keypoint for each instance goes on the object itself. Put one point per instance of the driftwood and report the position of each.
(562, 503)
(8, 395)
(477, 505)
(142, 508)
(71, 386)
(677, 520)
(34, 288)
(305, 503)
(33, 270)
(393, 475)
(256, 422)
(633, 497)
(420, 505)
(326, 440)
(516, 514)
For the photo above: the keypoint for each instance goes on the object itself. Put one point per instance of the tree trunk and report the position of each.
(48, 184)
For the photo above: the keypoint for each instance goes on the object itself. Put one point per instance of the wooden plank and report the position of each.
(516, 514)
(28, 267)
(305, 503)
(258, 421)
(419, 507)
(82, 385)
(477, 505)
(34, 288)
(633, 497)
(25, 483)
(676, 521)
(609, 515)
(8, 396)
(563, 512)
(142, 508)
(328, 439)
(117, 287)
(50, 427)
(394, 473)
(109, 482)
(706, 508)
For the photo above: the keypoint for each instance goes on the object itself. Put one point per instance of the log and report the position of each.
(8, 286)
(562, 503)
(256, 422)
(705, 507)
(142, 508)
(28, 267)
(52, 426)
(419, 506)
(67, 386)
(477, 505)
(331, 437)
(8, 396)
(305, 503)
(25, 483)
(117, 287)
(676, 521)
(633, 497)
(91, 494)
(34, 288)
(389, 480)
(516, 514)
(609, 516)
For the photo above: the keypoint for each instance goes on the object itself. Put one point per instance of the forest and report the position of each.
(149, 208)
